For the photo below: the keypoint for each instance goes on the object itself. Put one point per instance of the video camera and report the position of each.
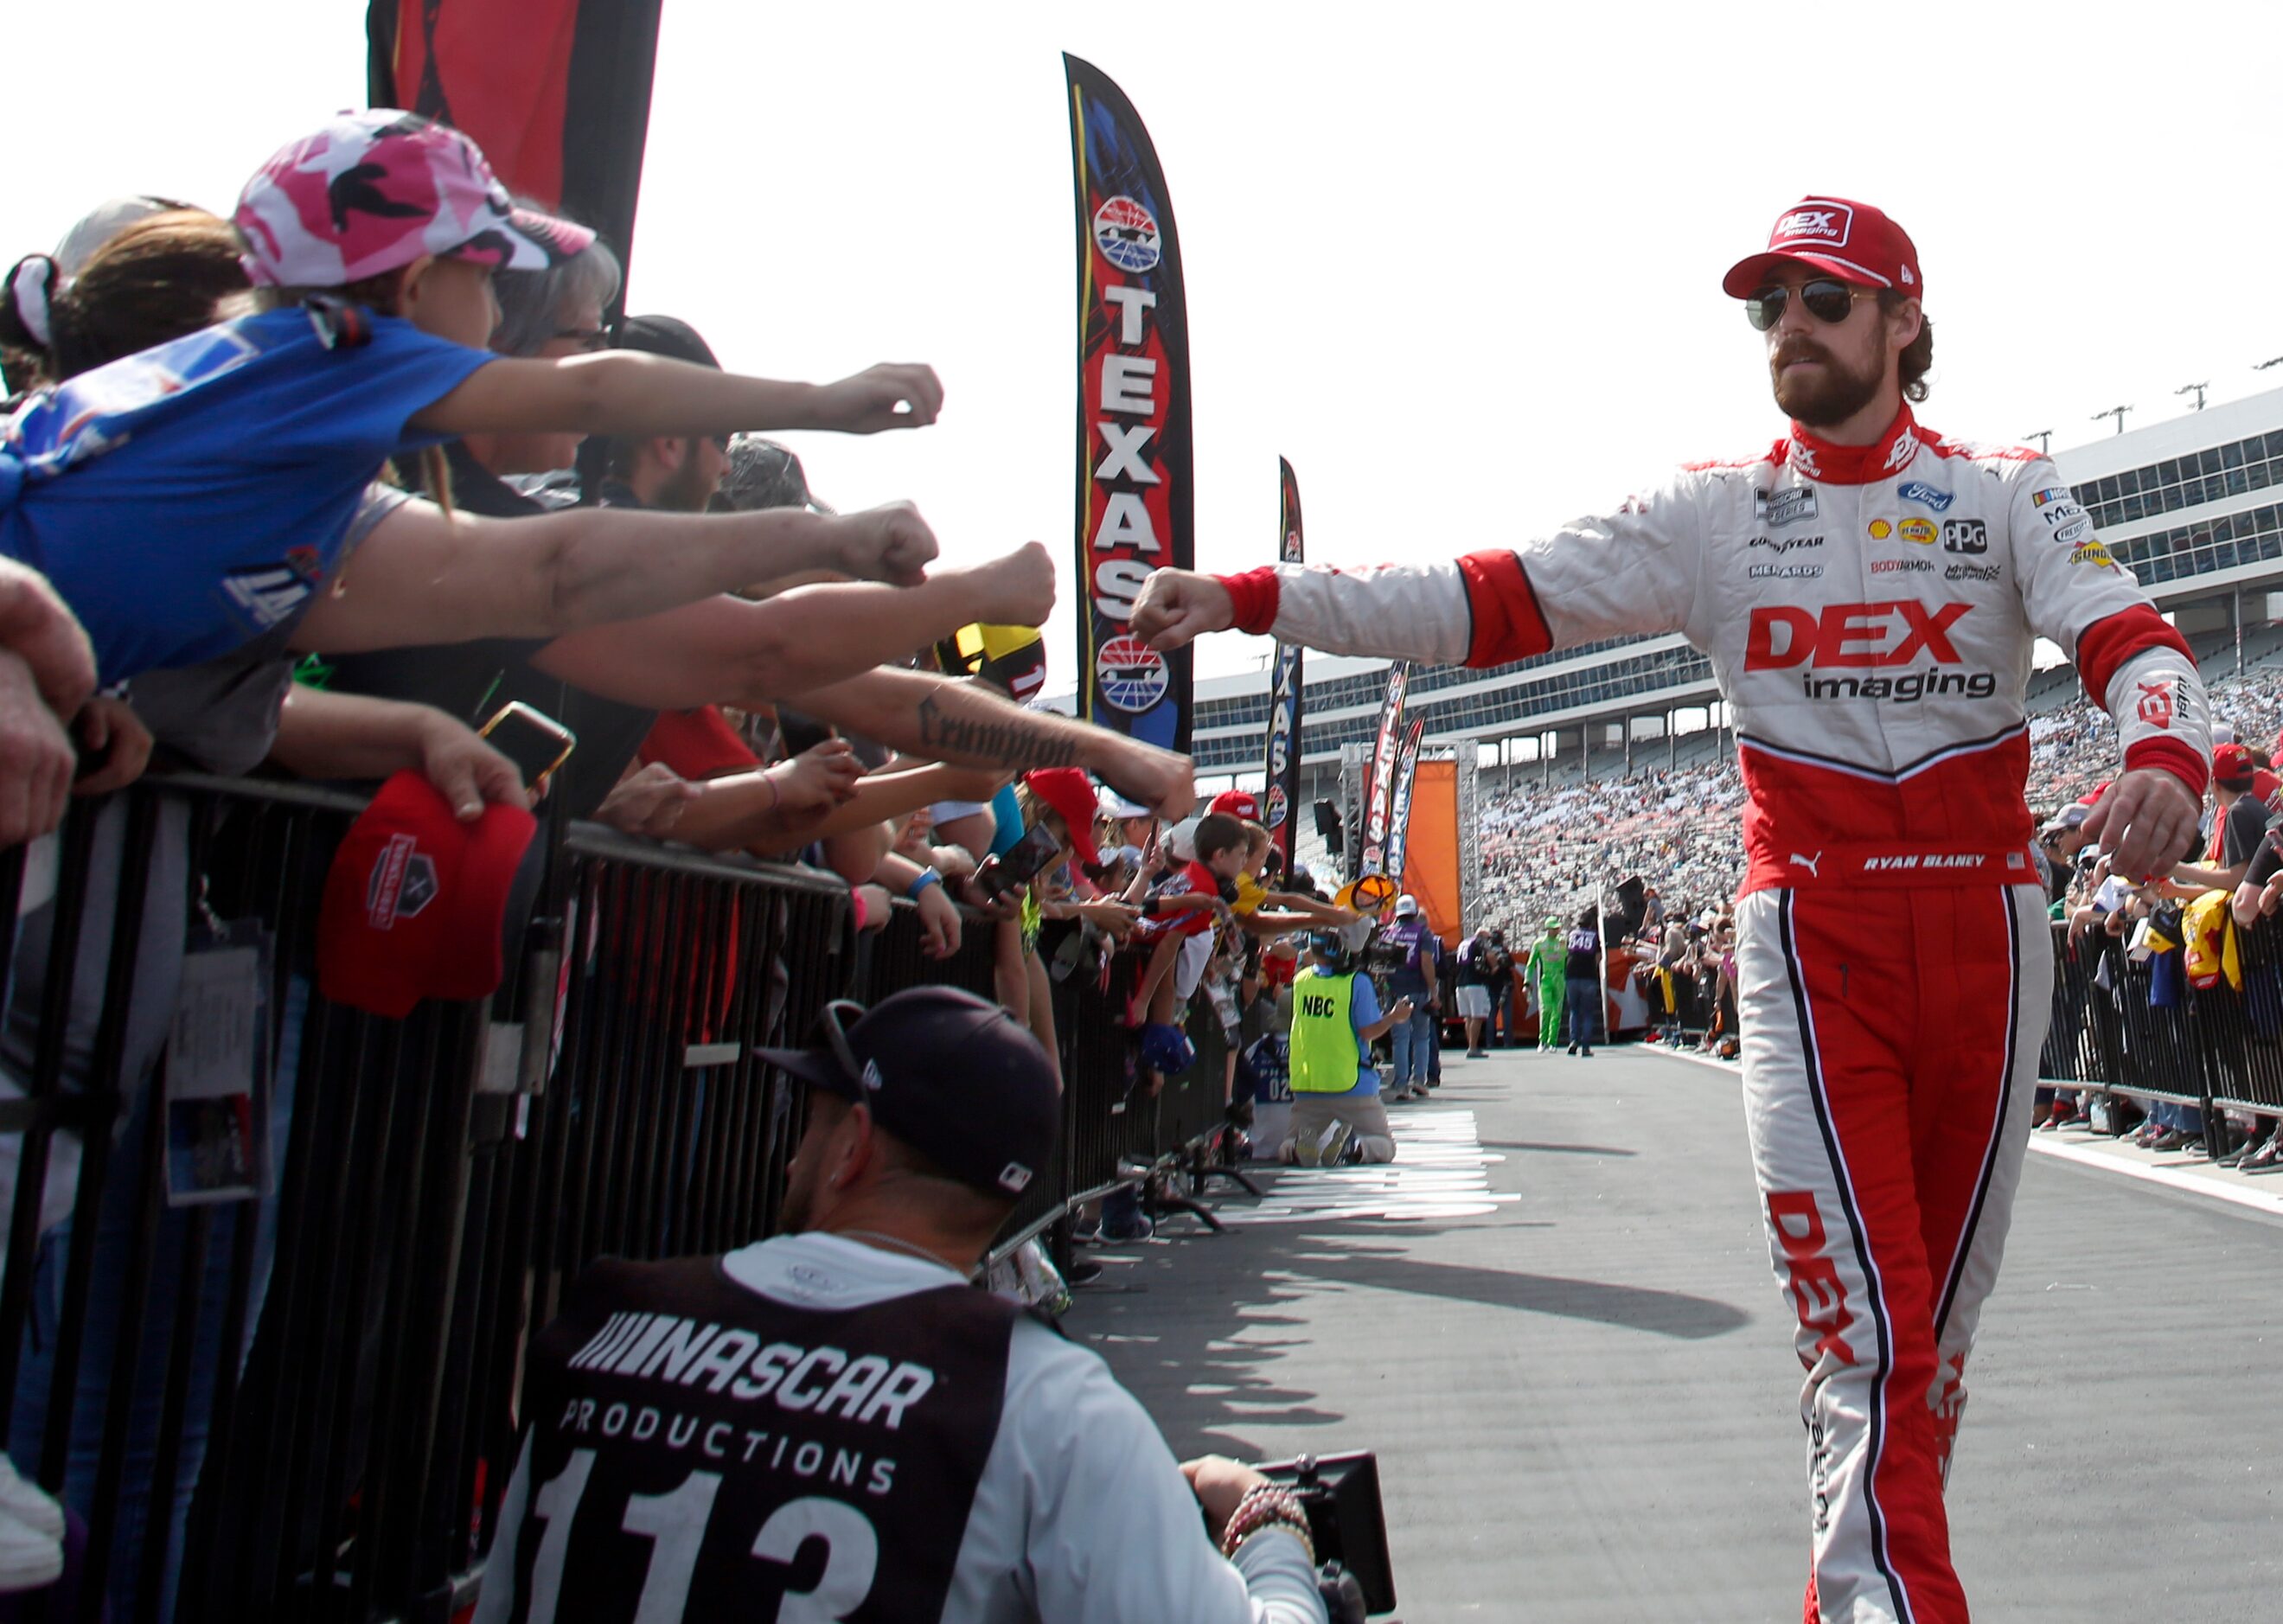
(1382, 958)
(1340, 1494)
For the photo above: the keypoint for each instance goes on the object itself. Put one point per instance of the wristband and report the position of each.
(856, 900)
(1267, 1506)
(1252, 599)
(927, 877)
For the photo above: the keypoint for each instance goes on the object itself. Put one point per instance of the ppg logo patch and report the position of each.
(1817, 223)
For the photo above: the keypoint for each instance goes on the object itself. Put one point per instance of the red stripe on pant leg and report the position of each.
(1855, 955)
(1960, 1094)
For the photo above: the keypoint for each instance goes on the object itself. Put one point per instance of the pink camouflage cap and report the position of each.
(375, 190)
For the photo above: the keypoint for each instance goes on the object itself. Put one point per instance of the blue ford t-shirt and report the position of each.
(190, 498)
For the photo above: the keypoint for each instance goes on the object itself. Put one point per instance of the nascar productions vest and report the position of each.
(1324, 1059)
(757, 1461)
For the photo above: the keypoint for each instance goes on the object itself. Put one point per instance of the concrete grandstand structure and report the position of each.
(2194, 505)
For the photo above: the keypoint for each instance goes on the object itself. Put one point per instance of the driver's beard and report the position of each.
(1832, 396)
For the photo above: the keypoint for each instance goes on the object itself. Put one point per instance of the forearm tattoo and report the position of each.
(1023, 740)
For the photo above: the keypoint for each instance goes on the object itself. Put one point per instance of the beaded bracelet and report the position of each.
(1268, 1507)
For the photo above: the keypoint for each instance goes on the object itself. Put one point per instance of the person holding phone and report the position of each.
(1057, 808)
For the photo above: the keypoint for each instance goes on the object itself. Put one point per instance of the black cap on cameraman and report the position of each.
(950, 1074)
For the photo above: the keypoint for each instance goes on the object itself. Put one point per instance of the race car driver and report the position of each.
(1868, 592)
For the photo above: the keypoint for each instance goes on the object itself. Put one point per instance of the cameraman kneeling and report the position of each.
(1336, 1115)
(834, 1423)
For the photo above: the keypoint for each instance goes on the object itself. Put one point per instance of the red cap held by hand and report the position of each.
(414, 901)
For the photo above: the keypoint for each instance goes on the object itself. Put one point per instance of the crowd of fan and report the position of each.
(2141, 946)
(1546, 848)
(361, 485)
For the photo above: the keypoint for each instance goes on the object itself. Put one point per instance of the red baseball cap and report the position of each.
(1068, 792)
(1853, 241)
(414, 901)
(2232, 765)
(1237, 803)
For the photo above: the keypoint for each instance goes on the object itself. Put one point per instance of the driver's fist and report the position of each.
(1179, 606)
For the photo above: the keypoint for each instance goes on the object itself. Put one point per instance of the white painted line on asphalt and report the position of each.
(1439, 1171)
(2218, 1183)
(2237, 1190)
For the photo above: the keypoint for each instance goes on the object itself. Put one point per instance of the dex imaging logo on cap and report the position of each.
(1815, 223)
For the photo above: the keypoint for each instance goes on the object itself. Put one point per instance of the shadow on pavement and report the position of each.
(1665, 1314)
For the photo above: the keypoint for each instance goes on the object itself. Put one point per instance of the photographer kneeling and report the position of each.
(834, 1422)
(1336, 1115)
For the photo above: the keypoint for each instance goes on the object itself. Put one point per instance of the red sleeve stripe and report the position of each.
(2110, 641)
(1507, 623)
(1253, 595)
(2175, 756)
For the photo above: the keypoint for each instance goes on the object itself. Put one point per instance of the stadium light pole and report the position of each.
(2260, 366)
(2044, 439)
(2195, 389)
(2116, 412)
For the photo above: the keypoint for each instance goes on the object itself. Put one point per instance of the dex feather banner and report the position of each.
(1135, 495)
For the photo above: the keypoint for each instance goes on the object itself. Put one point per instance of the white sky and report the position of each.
(1461, 269)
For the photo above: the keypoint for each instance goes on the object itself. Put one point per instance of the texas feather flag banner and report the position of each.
(557, 92)
(1136, 498)
(1398, 816)
(1379, 784)
(1280, 791)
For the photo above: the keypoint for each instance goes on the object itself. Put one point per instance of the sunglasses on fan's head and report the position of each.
(1826, 298)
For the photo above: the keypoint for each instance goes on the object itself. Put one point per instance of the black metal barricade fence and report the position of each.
(2218, 1047)
(302, 1402)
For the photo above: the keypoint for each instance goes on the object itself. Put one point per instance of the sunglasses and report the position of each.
(1826, 298)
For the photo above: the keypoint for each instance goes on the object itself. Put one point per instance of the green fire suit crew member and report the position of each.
(1547, 955)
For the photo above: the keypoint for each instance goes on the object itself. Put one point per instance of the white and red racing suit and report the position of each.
(1869, 612)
